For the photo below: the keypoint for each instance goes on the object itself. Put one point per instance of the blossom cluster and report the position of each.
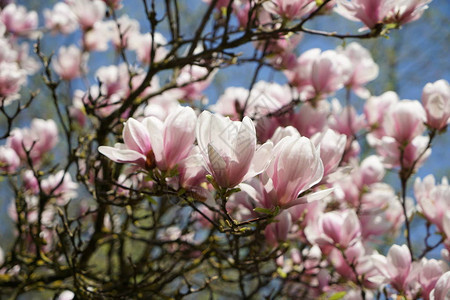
(292, 173)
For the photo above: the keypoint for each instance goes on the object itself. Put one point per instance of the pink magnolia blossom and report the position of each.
(88, 12)
(192, 174)
(381, 212)
(231, 102)
(39, 139)
(102, 105)
(373, 12)
(142, 44)
(8, 53)
(12, 77)
(362, 263)
(375, 110)
(295, 167)
(299, 74)
(405, 120)
(282, 132)
(370, 12)
(241, 9)
(30, 182)
(152, 142)
(60, 19)
(290, 9)
(345, 120)
(364, 69)
(114, 80)
(61, 186)
(336, 228)
(97, 38)
(9, 160)
(311, 119)
(26, 62)
(332, 146)
(433, 199)
(193, 80)
(18, 21)
(162, 105)
(278, 231)
(330, 71)
(229, 149)
(430, 272)
(370, 171)
(441, 290)
(280, 50)
(405, 11)
(317, 74)
(70, 62)
(436, 101)
(125, 28)
(396, 266)
(389, 150)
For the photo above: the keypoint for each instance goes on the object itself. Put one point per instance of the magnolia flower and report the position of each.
(296, 167)
(311, 119)
(193, 80)
(396, 266)
(436, 101)
(124, 30)
(405, 11)
(364, 69)
(88, 12)
(231, 102)
(404, 121)
(330, 71)
(430, 272)
(97, 38)
(375, 111)
(338, 228)
(433, 200)
(61, 186)
(151, 142)
(60, 19)
(373, 12)
(290, 9)
(345, 119)
(332, 146)
(441, 290)
(389, 150)
(12, 77)
(229, 149)
(17, 20)
(9, 160)
(282, 132)
(40, 138)
(144, 45)
(278, 231)
(70, 62)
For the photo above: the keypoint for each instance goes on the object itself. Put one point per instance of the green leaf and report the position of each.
(338, 295)
(281, 273)
(262, 210)
(151, 200)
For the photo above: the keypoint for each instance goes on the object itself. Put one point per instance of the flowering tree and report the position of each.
(126, 184)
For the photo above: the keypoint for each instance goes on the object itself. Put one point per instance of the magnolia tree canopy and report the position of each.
(124, 181)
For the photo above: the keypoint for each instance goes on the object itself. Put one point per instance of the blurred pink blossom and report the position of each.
(70, 62)
(436, 101)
